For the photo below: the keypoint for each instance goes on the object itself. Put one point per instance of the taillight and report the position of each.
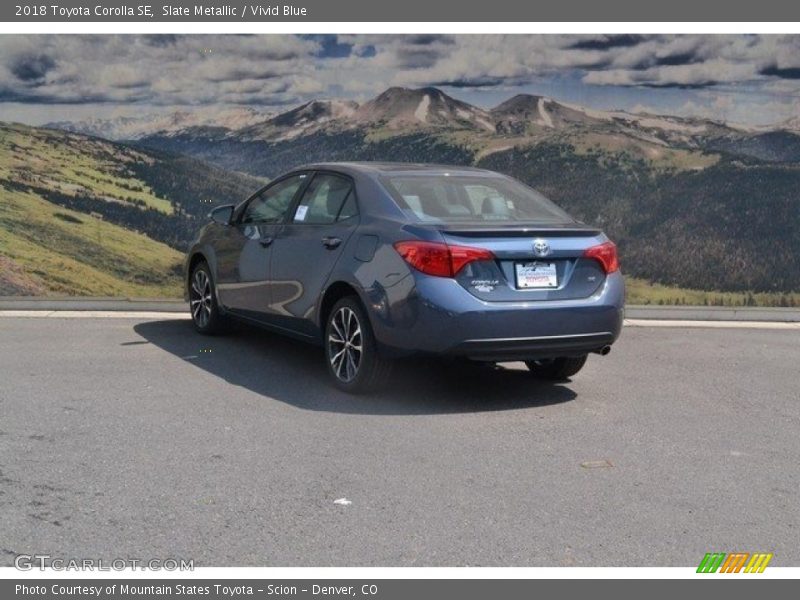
(439, 259)
(605, 254)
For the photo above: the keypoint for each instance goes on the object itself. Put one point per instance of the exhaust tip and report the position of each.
(605, 350)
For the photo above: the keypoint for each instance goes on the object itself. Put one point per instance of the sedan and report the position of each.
(375, 261)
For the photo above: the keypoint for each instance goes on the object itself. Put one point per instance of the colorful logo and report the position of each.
(736, 562)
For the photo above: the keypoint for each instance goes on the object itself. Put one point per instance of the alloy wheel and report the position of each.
(345, 344)
(200, 298)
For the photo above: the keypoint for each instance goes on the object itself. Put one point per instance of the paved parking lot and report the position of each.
(131, 437)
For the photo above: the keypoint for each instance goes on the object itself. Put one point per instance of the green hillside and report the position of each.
(683, 218)
(82, 215)
(640, 291)
(46, 249)
(732, 226)
(77, 216)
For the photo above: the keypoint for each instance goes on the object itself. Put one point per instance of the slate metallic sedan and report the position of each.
(375, 261)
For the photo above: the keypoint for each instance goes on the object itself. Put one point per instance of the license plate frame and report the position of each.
(535, 275)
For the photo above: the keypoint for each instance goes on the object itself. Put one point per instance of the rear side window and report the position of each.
(327, 199)
(447, 199)
(349, 208)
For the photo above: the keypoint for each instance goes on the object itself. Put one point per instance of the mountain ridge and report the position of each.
(691, 202)
(398, 107)
(135, 127)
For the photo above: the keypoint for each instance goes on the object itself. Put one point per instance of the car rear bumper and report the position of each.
(527, 348)
(437, 315)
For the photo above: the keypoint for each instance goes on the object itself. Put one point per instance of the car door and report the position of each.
(243, 258)
(307, 247)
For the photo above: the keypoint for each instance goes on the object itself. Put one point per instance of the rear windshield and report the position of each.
(450, 199)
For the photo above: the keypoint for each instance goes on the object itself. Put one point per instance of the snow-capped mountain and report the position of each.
(792, 124)
(525, 113)
(403, 108)
(522, 119)
(138, 127)
(304, 119)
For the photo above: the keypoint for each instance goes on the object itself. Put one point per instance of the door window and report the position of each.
(325, 199)
(271, 205)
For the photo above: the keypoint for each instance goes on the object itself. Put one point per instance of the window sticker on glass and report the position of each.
(300, 214)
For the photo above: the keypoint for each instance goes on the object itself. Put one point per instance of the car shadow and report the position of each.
(294, 372)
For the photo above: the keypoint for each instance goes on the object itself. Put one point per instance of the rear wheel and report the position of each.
(351, 350)
(206, 315)
(556, 369)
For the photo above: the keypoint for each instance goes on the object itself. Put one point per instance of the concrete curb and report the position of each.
(93, 304)
(147, 315)
(714, 313)
(636, 312)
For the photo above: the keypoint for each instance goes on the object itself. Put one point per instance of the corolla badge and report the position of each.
(484, 285)
(541, 247)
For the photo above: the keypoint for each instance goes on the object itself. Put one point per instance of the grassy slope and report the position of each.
(47, 249)
(70, 163)
(639, 291)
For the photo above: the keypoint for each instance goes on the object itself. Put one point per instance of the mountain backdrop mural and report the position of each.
(703, 210)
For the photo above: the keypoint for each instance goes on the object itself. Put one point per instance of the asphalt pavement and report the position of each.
(137, 438)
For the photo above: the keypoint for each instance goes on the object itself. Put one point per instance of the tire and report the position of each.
(203, 307)
(556, 369)
(351, 352)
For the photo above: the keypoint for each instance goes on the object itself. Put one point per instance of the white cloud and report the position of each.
(275, 70)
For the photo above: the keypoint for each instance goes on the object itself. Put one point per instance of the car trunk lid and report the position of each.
(531, 263)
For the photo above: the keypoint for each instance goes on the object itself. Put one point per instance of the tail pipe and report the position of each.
(603, 351)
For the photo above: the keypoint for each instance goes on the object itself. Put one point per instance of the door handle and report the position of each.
(331, 242)
(266, 241)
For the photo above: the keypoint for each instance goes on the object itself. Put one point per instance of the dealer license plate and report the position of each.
(536, 275)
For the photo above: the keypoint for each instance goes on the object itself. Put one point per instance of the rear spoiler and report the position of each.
(518, 231)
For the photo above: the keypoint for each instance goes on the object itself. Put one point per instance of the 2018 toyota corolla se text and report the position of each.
(375, 261)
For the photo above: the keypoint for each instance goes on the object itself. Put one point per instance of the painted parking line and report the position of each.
(147, 315)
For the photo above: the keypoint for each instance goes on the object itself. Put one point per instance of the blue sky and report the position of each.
(750, 79)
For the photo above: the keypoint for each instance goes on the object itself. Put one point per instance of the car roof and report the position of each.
(395, 168)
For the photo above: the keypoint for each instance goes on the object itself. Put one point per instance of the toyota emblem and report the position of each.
(541, 247)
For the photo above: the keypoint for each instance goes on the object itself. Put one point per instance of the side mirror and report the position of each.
(222, 214)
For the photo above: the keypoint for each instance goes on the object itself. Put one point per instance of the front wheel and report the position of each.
(556, 369)
(351, 350)
(206, 315)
